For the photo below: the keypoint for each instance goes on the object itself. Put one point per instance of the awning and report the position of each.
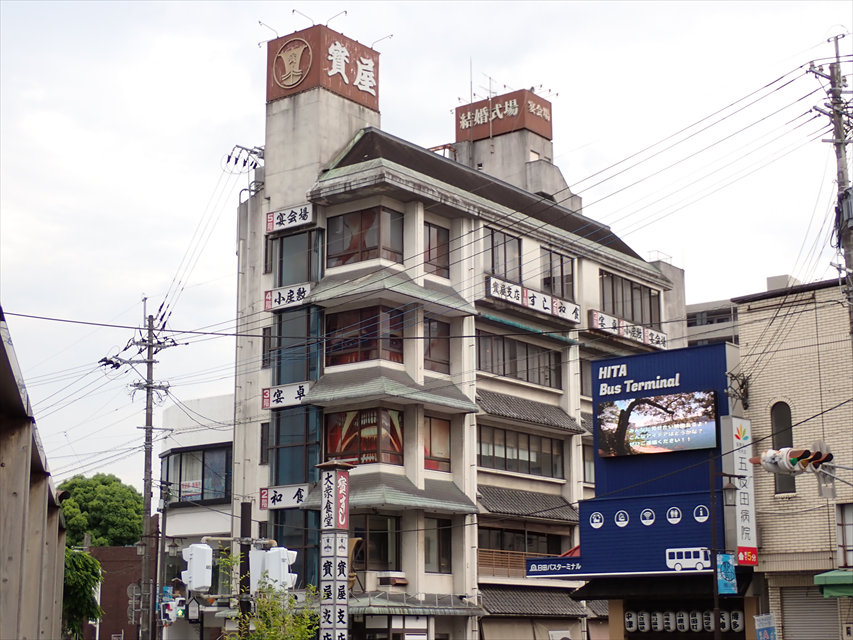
(379, 489)
(505, 406)
(679, 586)
(396, 288)
(529, 504)
(835, 584)
(385, 383)
(501, 600)
(403, 604)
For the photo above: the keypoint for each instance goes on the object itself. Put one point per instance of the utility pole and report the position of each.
(152, 347)
(835, 110)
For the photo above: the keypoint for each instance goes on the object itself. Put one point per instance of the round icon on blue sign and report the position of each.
(647, 517)
(621, 518)
(673, 515)
(596, 520)
(701, 513)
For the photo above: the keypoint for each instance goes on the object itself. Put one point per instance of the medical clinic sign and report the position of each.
(320, 57)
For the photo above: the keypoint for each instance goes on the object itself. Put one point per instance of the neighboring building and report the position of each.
(797, 364)
(32, 531)
(196, 495)
(432, 322)
(711, 322)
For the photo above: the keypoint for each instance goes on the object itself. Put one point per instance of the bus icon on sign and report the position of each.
(697, 558)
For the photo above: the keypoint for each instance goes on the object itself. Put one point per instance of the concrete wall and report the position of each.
(32, 532)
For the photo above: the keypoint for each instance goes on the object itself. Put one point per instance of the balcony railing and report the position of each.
(504, 564)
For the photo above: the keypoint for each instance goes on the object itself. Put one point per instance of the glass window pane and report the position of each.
(191, 466)
(214, 474)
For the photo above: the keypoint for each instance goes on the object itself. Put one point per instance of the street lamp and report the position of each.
(729, 496)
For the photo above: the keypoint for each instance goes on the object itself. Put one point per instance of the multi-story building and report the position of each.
(797, 371)
(430, 320)
(196, 495)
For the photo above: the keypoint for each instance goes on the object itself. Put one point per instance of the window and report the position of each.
(437, 541)
(436, 444)
(365, 436)
(362, 235)
(783, 436)
(588, 464)
(266, 347)
(518, 540)
(265, 444)
(436, 345)
(521, 360)
(364, 334)
(199, 475)
(844, 534)
(297, 353)
(586, 377)
(380, 548)
(629, 300)
(295, 448)
(520, 452)
(296, 258)
(299, 530)
(502, 254)
(557, 275)
(436, 250)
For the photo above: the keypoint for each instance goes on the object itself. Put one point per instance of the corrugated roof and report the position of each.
(500, 600)
(378, 489)
(372, 143)
(530, 504)
(403, 604)
(386, 383)
(515, 408)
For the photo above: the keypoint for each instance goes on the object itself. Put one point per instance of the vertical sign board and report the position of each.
(736, 461)
(334, 554)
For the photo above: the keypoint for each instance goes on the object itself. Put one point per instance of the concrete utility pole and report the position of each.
(844, 205)
(152, 347)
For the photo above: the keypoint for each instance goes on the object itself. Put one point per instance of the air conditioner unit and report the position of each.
(560, 635)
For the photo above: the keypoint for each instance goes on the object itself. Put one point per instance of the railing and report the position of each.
(504, 564)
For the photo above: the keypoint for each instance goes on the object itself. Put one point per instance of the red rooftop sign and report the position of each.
(320, 57)
(502, 114)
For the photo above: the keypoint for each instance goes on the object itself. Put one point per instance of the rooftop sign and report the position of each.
(320, 57)
(503, 114)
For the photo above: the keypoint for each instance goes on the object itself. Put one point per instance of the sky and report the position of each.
(686, 126)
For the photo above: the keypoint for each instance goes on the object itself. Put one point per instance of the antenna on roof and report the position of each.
(342, 13)
(263, 24)
(303, 15)
(388, 37)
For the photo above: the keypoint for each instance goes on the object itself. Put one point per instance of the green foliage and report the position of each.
(82, 577)
(104, 507)
(276, 613)
(278, 616)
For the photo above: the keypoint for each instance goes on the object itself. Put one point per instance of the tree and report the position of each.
(104, 507)
(82, 577)
(278, 616)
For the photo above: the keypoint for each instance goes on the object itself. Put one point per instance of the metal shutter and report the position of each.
(807, 615)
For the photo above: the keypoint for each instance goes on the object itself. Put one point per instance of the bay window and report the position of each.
(365, 436)
(353, 237)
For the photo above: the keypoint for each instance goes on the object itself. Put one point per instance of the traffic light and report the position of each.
(199, 571)
(274, 565)
(279, 560)
(786, 460)
(168, 612)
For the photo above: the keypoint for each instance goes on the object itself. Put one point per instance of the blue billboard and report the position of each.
(657, 441)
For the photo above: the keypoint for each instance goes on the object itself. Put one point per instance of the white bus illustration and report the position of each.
(697, 558)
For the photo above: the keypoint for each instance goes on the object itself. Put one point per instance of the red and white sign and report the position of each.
(284, 497)
(637, 333)
(532, 299)
(334, 500)
(746, 537)
(286, 395)
(290, 217)
(283, 297)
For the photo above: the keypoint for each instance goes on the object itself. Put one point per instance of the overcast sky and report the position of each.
(116, 119)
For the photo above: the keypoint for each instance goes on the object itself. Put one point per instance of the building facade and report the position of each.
(430, 320)
(796, 369)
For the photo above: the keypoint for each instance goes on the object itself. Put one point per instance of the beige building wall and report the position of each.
(795, 348)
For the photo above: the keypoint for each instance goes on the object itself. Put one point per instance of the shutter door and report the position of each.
(807, 615)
